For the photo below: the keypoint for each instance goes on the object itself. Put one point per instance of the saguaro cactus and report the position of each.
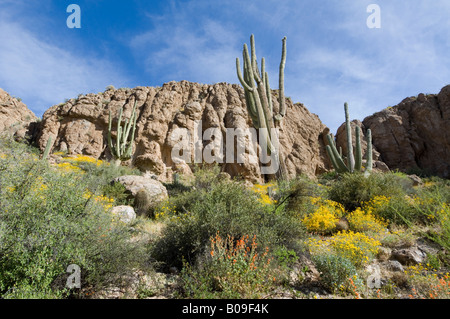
(259, 98)
(353, 162)
(123, 147)
(48, 146)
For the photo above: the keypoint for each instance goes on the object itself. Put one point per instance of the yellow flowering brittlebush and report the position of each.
(324, 218)
(263, 192)
(105, 201)
(376, 203)
(83, 159)
(365, 221)
(318, 246)
(166, 210)
(68, 168)
(357, 247)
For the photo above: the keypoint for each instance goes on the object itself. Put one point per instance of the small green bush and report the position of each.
(334, 270)
(224, 206)
(351, 190)
(293, 195)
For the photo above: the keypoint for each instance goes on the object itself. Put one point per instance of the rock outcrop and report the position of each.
(415, 133)
(15, 117)
(80, 125)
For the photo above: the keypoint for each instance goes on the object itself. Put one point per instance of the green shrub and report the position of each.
(293, 195)
(49, 221)
(352, 190)
(227, 207)
(335, 271)
(284, 257)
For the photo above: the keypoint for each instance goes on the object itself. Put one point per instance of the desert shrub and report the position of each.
(431, 201)
(352, 190)
(293, 195)
(364, 220)
(394, 210)
(441, 234)
(227, 207)
(117, 191)
(284, 257)
(99, 175)
(205, 176)
(50, 220)
(324, 217)
(335, 271)
(356, 247)
(264, 192)
(232, 268)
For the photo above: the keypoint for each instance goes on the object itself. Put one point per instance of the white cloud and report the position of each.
(43, 74)
(203, 52)
(371, 68)
(185, 46)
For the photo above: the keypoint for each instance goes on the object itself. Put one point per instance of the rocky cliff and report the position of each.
(15, 117)
(412, 135)
(415, 133)
(80, 126)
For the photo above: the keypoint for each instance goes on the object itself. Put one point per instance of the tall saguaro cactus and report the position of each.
(123, 147)
(353, 162)
(259, 98)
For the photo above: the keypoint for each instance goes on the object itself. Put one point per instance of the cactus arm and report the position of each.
(350, 157)
(340, 165)
(48, 146)
(282, 111)
(128, 125)
(110, 144)
(130, 146)
(254, 61)
(268, 91)
(358, 151)
(266, 115)
(369, 151)
(241, 79)
(263, 72)
(332, 157)
(119, 135)
(251, 76)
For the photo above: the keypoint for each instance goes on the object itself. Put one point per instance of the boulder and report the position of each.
(125, 213)
(416, 180)
(408, 256)
(393, 265)
(134, 183)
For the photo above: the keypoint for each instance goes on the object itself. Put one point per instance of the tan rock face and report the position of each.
(415, 133)
(80, 127)
(15, 117)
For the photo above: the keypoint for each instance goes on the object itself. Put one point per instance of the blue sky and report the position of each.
(332, 56)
